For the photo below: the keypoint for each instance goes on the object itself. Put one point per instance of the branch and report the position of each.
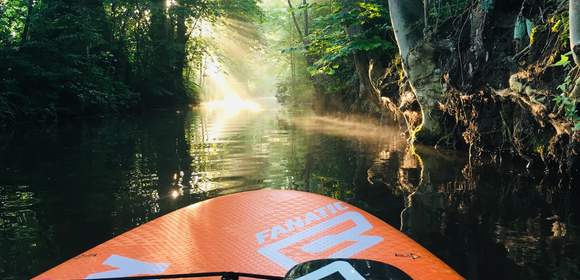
(306, 17)
(296, 22)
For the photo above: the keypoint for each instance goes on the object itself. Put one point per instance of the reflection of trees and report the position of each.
(21, 234)
(158, 152)
(69, 174)
(344, 166)
(85, 183)
(450, 208)
(490, 225)
(329, 166)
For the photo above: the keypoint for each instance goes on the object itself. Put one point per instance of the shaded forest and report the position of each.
(61, 58)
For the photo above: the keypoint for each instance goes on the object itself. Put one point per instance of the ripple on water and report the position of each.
(16, 197)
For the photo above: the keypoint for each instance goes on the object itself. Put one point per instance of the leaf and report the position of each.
(556, 26)
(564, 61)
(562, 88)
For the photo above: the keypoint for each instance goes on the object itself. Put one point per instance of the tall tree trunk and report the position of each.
(180, 45)
(367, 68)
(160, 72)
(306, 18)
(478, 24)
(419, 64)
(575, 41)
(296, 24)
(301, 35)
(121, 51)
(426, 5)
(367, 90)
(575, 29)
(407, 22)
(292, 62)
(26, 31)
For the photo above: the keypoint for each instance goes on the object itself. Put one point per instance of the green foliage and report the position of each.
(563, 100)
(566, 103)
(92, 56)
(565, 87)
(244, 10)
(564, 61)
(440, 11)
(559, 24)
(283, 46)
(337, 30)
(12, 18)
(369, 11)
(569, 107)
(331, 42)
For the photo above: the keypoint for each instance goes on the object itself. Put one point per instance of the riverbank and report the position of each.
(489, 78)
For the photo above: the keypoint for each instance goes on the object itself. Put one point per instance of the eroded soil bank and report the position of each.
(496, 79)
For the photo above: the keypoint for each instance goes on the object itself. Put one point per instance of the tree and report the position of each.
(419, 64)
(479, 21)
(575, 29)
(66, 57)
(301, 34)
(346, 38)
(575, 40)
(367, 66)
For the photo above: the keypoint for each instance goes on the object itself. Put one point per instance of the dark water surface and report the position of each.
(66, 189)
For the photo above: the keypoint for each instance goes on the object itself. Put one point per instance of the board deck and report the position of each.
(261, 232)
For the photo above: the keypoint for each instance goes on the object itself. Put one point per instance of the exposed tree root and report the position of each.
(504, 102)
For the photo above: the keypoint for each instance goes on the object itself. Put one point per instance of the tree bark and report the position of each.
(26, 31)
(296, 24)
(309, 59)
(575, 41)
(419, 65)
(159, 64)
(367, 89)
(180, 45)
(478, 28)
(575, 30)
(306, 18)
(426, 4)
(367, 68)
(407, 22)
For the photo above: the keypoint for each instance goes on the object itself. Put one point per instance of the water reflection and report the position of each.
(494, 223)
(66, 189)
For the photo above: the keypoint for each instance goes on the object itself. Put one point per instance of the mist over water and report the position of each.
(363, 129)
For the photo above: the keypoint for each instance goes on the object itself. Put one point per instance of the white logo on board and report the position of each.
(128, 267)
(317, 247)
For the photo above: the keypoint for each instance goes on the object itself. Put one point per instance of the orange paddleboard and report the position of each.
(260, 232)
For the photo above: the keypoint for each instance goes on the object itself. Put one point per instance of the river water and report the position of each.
(67, 188)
